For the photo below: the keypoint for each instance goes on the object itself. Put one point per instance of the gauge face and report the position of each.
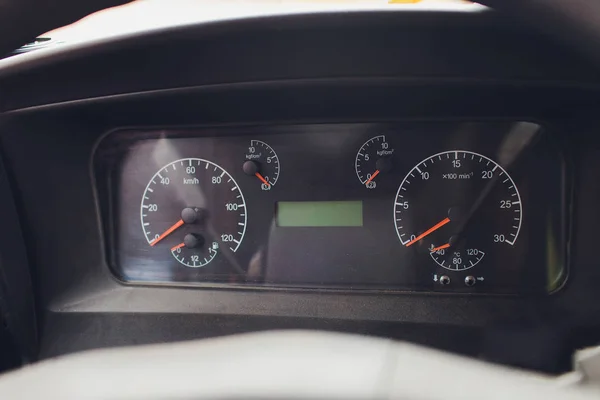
(455, 206)
(262, 163)
(374, 158)
(194, 209)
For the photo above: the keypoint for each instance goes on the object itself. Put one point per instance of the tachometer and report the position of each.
(455, 206)
(194, 209)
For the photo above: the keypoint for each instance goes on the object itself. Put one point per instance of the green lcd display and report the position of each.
(319, 213)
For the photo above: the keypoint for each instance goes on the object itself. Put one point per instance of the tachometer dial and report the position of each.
(455, 206)
(262, 163)
(194, 209)
(373, 158)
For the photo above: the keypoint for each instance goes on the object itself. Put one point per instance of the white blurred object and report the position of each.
(148, 14)
(281, 364)
(586, 369)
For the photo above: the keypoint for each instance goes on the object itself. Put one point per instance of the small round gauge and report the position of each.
(456, 206)
(262, 162)
(373, 158)
(194, 209)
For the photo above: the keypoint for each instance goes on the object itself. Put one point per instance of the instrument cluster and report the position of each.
(467, 207)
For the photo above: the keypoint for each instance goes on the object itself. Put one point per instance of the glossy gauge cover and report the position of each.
(444, 206)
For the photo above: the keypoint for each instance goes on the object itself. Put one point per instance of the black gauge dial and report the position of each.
(373, 158)
(262, 162)
(194, 209)
(455, 207)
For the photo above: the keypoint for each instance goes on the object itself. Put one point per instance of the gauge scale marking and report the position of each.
(373, 158)
(469, 203)
(264, 156)
(207, 192)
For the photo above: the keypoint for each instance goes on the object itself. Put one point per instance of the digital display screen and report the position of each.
(319, 213)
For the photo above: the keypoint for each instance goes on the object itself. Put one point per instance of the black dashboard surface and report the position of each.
(387, 68)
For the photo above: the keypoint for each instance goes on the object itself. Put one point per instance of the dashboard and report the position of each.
(473, 207)
(240, 175)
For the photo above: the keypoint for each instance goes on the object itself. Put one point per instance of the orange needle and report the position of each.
(178, 246)
(263, 180)
(442, 247)
(372, 177)
(428, 231)
(167, 232)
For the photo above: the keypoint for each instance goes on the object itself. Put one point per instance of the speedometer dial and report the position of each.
(194, 209)
(456, 206)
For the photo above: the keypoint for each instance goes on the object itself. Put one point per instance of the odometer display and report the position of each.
(456, 207)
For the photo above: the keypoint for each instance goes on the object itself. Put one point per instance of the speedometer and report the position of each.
(194, 209)
(455, 206)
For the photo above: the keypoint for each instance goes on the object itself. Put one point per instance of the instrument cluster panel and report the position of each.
(449, 207)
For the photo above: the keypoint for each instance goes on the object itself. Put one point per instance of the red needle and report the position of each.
(442, 247)
(167, 232)
(428, 231)
(178, 246)
(263, 180)
(372, 177)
